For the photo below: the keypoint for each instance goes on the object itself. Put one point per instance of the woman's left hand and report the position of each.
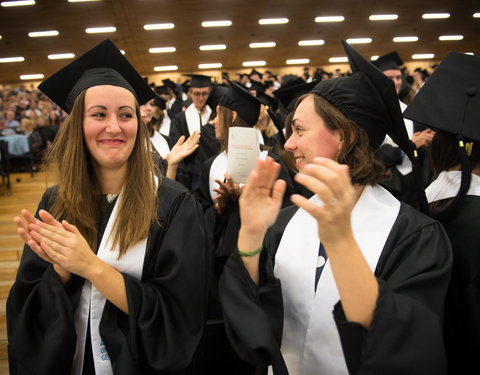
(228, 190)
(331, 182)
(183, 148)
(64, 244)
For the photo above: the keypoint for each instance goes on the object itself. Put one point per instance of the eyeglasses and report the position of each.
(200, 93)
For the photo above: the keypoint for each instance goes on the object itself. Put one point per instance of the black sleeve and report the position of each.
(40, 320)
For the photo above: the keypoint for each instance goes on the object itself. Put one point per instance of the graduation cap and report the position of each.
(257, 86)
(161, 90)
(169, 83)
(198, 80)
(287, 95)
(255, 72)
(268, 101)
(104, 64)
(237, 99)
(369, 99)
(217, 92)
(449, 101)
(159, 102)
(389, 61)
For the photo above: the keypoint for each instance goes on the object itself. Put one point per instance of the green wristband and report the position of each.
(251, 253)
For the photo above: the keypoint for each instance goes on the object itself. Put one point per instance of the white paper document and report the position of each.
(243, 152)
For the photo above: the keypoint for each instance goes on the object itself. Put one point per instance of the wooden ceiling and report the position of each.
(129, 17)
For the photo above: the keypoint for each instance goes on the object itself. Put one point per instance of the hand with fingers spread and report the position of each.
(331, 182)
(228, 190)
(183, 148)
(23, 229)
(63, 244)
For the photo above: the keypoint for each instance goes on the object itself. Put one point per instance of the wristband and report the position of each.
(250, 253)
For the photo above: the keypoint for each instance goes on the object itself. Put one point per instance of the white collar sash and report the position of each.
(447, 184)
(193, 116)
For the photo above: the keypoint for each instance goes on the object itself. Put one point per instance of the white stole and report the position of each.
(219, 168)
(165, 126)
(447, 184)
(92, 302)
(310, 343)
(160, 144)
(192, 116)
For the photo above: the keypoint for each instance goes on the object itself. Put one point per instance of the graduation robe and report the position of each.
(166, 307)
(405, 336)
(462, 308)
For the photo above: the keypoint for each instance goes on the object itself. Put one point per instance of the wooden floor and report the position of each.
(26, 191)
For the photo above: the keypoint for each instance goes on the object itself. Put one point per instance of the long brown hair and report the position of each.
(79, 190)
(225, 118)
(355, 150)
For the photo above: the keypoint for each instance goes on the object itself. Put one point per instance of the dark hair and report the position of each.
(355, 150)
(444, 152)
(225, 118)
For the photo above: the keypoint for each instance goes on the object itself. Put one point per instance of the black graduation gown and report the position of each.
(215, 355)
(405, 335)
(166, 307)
(462, 309)
(190, 167)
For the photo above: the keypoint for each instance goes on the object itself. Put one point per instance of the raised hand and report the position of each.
(183, 148)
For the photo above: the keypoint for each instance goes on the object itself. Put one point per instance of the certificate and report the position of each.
(243, 152)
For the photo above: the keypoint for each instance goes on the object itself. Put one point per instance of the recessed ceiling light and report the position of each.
(418, 56)
(272, 21)
(254, 63)
(318, 42)
(359, 40)
(213, 47)
(18, 3)
(476, 15)
(122, 51)
(31, 76)
(262, 45)
(12, 59)
(450, 37)
(374, 57)
(434, 16)
(469, 53)
(159, 26)
(61, 56)
(216, 23)
(383, 17)
(165, 68)
(95, 30)
(401, 39)
(330, 19)
(35, 34)
(338, 59)
(297, 61)
(162, 49)
(209, 66)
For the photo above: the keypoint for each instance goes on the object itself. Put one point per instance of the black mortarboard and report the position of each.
(169, 83)
(159, 101)
(389, 61)
(237, 99)
(217, 92)
(268, 83)
(257, 86)
(104, 64)
(449, 101)
(161, 90)
(198, 80)
(290, 93)
(268, 101)
(255, 72)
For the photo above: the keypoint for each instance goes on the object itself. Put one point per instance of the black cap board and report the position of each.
(257, 86)
(198, 80)
(287, 95)
(217, 92)
(104, 64)
(388, 62)
(237, 99)
(255, 72)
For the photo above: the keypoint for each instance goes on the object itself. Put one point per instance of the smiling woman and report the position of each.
(96, 282)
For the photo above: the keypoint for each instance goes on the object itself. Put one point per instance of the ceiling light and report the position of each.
(165, 68)
(272, 21)
(209, 66)
(374, 57)
(95, 30)
(400, 39)
(61, 56)
(338, 59)
(31, 76)
(213, 47)
(35, 34)
(359, 40)
(159, 26)
(254, 63)
(318, 42)
(262, 45)
(162, 49)
(297, 61)
(450, 37)
(18, 3)
(434, 16)
(0, 37)
(216, 23)
(122, 51)
(469, 53)
(476, 15)
(383, 17)
(11, 59)
(423, 56)
(330, 19)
